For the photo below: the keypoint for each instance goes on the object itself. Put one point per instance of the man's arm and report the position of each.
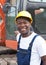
(43, 60)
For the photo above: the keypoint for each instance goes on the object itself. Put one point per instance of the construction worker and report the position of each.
(31, 46)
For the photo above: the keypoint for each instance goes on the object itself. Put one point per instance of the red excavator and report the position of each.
(3, 41)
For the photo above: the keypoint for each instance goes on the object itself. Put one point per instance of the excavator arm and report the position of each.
(3, 41)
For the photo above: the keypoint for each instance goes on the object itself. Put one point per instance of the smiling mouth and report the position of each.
(23, 29)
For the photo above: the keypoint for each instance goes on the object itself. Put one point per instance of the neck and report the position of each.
(26, 34)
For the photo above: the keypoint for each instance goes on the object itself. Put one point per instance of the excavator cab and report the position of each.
(38, 11)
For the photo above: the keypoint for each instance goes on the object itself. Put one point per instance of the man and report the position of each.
(27, 54)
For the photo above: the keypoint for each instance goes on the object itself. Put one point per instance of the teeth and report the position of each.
(22, 29)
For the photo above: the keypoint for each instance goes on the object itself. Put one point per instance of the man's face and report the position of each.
(23, 25)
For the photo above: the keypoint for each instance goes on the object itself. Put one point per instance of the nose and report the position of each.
(22, 24)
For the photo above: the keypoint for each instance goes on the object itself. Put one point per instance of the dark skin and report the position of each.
(24, 28)
(44, 60)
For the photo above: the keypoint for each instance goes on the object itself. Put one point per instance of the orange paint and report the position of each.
(2, 2)
(11, 44)
(2, 26)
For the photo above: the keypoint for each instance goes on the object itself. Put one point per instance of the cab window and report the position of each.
(40, 20)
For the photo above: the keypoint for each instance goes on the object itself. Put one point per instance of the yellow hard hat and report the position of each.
(25, 14)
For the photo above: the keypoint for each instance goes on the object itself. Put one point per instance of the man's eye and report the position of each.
(19, 23)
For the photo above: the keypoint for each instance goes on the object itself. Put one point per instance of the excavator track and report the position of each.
(7, 56)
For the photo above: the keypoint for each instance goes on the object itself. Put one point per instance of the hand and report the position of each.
(16, 32)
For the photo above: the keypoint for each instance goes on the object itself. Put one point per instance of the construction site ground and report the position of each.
(7, 56)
